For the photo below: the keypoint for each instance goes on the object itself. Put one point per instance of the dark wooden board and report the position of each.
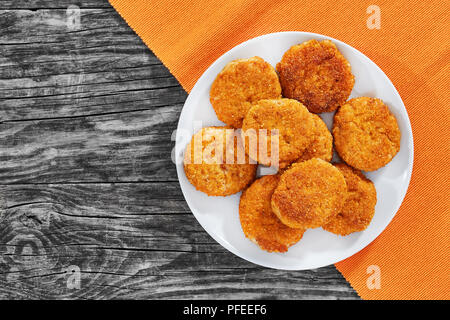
(50, 71)
(86, 177)
(46, 4)
(133, 240)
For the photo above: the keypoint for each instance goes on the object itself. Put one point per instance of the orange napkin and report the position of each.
(412, 47)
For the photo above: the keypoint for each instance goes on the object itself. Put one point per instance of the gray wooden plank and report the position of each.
(40, 83)
(130, 241)
(56, 72)
(51, 4)
(132, 146)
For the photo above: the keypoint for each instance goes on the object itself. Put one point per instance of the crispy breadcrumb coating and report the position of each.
(316, 74)
(309, 193)
(209, 170)
(359, 208)
(258, 221)
(293, 125)
(366, 134)
(322, 143)
(241, 83)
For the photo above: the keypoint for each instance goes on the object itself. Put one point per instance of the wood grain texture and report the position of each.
(131, 146)
(86, 177)
(130, 241)
(45, 4)
(50, 71)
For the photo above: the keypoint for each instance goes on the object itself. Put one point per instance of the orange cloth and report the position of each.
(413, 49)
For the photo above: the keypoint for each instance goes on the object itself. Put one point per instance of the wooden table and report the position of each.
(86, 177)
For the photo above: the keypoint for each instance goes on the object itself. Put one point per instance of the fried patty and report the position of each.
(322, 142)
(241, 83)
(316, 74)
(309, 193)
(215, 162)
(287, 123)
(366, 134)
(359, 208)
(258, 221)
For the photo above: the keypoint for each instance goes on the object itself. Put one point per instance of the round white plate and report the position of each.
(219, 216)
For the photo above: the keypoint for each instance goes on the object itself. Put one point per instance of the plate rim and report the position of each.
(361, 245)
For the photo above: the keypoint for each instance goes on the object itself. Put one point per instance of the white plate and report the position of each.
(219, 216)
